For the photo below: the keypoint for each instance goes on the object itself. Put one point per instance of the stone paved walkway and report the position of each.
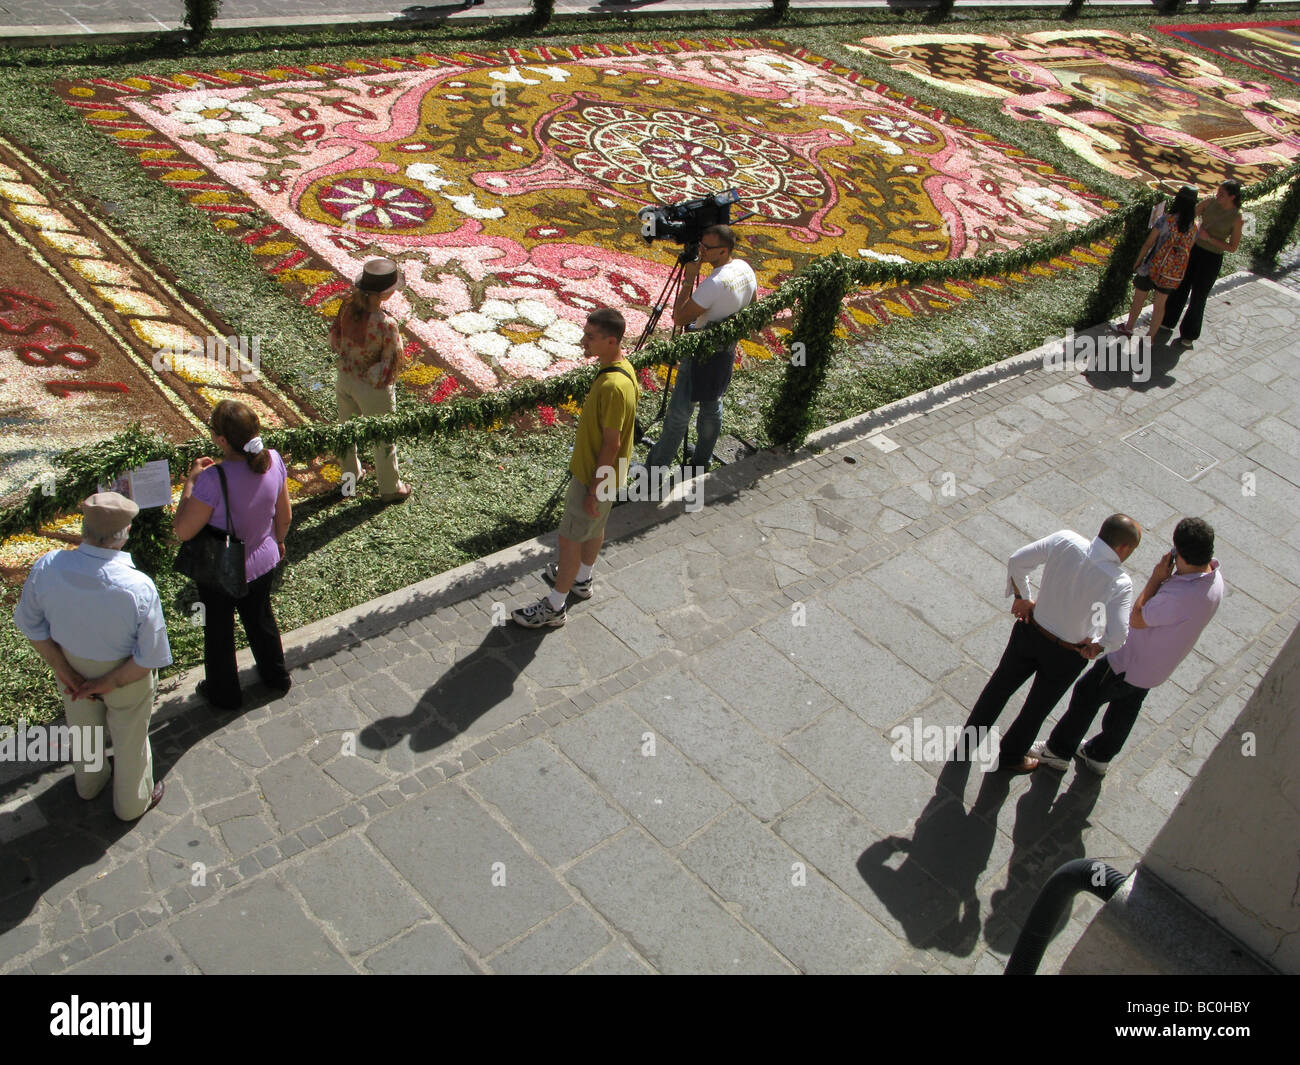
(695, 774)
(38, 19)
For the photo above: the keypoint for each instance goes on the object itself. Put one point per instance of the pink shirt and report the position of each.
(252, 498)
(1175, 616)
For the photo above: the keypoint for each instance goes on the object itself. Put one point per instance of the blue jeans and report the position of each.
(708, 424)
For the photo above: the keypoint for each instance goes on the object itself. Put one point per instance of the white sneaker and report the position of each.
(540, 614)
(582, 589)
(1092, 765)
(1047, 757)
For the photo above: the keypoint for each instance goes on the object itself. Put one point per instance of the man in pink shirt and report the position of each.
(1177, 603)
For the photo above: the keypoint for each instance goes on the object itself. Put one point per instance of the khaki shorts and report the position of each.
(577, 524)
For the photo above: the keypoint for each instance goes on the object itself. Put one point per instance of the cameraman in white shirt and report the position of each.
(729, 288)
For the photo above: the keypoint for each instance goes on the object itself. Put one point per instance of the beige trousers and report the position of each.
(358, 397)
(125, 711)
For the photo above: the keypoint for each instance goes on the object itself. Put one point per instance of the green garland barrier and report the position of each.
(1270, 184)
(1112, 286)
(543, 12)
(818, 293)
(1280, 228)
(199, 17)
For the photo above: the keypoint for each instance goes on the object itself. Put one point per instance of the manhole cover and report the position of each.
(1175, 453)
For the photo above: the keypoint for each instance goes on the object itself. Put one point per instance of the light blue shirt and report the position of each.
(94, 603)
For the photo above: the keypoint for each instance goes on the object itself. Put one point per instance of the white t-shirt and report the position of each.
(725, 291)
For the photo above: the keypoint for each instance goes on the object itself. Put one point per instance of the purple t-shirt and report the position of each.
(1175, 616)
(252, 498)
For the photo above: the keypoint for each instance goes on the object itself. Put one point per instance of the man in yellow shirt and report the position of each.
(606, 429)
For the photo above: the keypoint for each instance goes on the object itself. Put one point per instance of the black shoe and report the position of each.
(280, 687)
(203, 689)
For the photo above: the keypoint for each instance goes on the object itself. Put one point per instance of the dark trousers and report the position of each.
(1100, 686)
(1029, 654)
(1202, 271)
(219, 639)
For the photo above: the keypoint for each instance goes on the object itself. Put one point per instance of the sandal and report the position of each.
(1123, 330)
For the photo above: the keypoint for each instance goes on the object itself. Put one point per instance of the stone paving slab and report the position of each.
(28, 19)
(699, 772)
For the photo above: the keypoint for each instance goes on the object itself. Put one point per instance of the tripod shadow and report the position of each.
(949, 845)
(469, 689)
(1048, 832)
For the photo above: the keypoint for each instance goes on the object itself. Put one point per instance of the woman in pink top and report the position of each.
(369, 347)
(257, 484)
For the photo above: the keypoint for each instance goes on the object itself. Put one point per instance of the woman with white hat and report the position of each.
(370, 353)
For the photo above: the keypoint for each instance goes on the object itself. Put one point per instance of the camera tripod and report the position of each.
(667, 298)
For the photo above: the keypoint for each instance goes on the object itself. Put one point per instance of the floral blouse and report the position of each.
(378, 356)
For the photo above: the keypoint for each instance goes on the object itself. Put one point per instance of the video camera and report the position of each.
(686, 222)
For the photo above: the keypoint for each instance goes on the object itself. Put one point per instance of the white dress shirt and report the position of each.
(1085, 592)
(94, 603)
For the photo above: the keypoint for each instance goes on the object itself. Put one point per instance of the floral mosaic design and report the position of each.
(507, 185)
(82, 316)
(1126, 103)
(1270, 46)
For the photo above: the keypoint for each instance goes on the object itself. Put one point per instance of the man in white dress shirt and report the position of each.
(1082, 609)
(98, 622)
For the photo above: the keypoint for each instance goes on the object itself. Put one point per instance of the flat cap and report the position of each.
(105, 513)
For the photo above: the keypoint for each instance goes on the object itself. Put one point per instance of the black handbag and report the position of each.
(214, 557)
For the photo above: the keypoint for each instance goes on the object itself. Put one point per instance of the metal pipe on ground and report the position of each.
(1081, 874)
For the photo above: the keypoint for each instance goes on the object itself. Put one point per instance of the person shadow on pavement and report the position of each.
(431, 13)
(932, 893)
(78, 834)
(469, 689)
(1048, 832)
(1163, 361)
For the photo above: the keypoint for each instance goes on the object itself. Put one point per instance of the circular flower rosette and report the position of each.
(678, 155)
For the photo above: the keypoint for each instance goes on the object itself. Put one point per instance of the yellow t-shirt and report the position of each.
(610, 404)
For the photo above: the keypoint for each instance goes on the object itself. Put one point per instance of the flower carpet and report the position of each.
(1126, 103)
(1270, 46)
(82, 316)
(507, 185)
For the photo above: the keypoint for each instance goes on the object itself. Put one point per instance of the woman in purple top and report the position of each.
(257, 483)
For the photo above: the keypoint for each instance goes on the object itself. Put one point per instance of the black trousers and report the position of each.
(1100, 686)
(1202, 271)
(1029, 654)
(219, 639)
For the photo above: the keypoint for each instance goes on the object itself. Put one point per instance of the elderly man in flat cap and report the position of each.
(98, 622)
